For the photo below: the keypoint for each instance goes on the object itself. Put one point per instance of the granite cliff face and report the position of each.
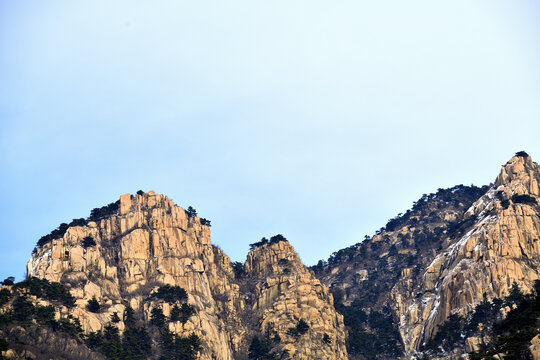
(285, 293)
(362, 276)
(453, 250)
(500, 247)
(151, 242)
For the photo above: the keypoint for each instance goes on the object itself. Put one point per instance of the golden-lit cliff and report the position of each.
(149, 242)
(140, 279)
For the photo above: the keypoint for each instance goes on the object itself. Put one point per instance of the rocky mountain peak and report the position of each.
(143, 250)
(269, 258)
(497, 247)
(454, 250)
(520, 173)
(517, 183)
(292, 303)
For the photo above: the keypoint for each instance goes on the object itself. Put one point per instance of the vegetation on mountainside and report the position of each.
(58, 232)
(45, 289)
(19, 306)
(136, 341)
(238, 269)
(510, 336)
(190, 212)
(371, 335)
(4, 345)
(424, 215)
(179, 348)
(459, 196)
(10, 280)
(95, 215)
(88, 242)
(93, 305)
(104, 211)
(182, 313)
(5, 294)
(170, 294)
(374, 266)
(157, 318)
(273, 240)
(115, 318)
(22, 309)
(260, 348)
(301, 328)
(524, 199)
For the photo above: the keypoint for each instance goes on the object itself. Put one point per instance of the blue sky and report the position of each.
(315, 119)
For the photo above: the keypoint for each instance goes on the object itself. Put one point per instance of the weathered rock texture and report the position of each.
(284, 293)
(151, 242)
(501, 246)
(367, 271)
(442, 256)
(451, 250)
(535, 347)
(363, 275)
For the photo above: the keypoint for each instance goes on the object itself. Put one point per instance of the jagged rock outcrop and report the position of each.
(285, 292)
(454, 249)
(362, 276)
(501, 246)
(366, 271)
(150, 242)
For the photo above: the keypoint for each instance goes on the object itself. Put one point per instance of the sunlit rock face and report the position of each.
(151, 242)
(501, 246)
(443, 256)
(451, 250)
(285, 292)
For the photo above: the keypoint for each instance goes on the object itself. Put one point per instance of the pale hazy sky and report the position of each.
(319, 120)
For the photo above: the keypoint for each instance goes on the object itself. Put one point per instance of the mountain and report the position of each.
(454, 277)
(145, 266)
(454, 250)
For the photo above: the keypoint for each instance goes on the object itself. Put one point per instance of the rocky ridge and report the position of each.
(501, 247)
(285, 293)
(451, 251)
(454, 250)
(151, 242)
(362, 276)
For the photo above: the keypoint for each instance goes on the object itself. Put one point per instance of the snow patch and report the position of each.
(45, 257)
(433, 310)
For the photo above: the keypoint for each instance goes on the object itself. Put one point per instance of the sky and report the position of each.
(318, 120)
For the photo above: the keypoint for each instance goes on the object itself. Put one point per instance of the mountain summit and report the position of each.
(149, 244)
(499, 247)
(454, 250)
(140, 278)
